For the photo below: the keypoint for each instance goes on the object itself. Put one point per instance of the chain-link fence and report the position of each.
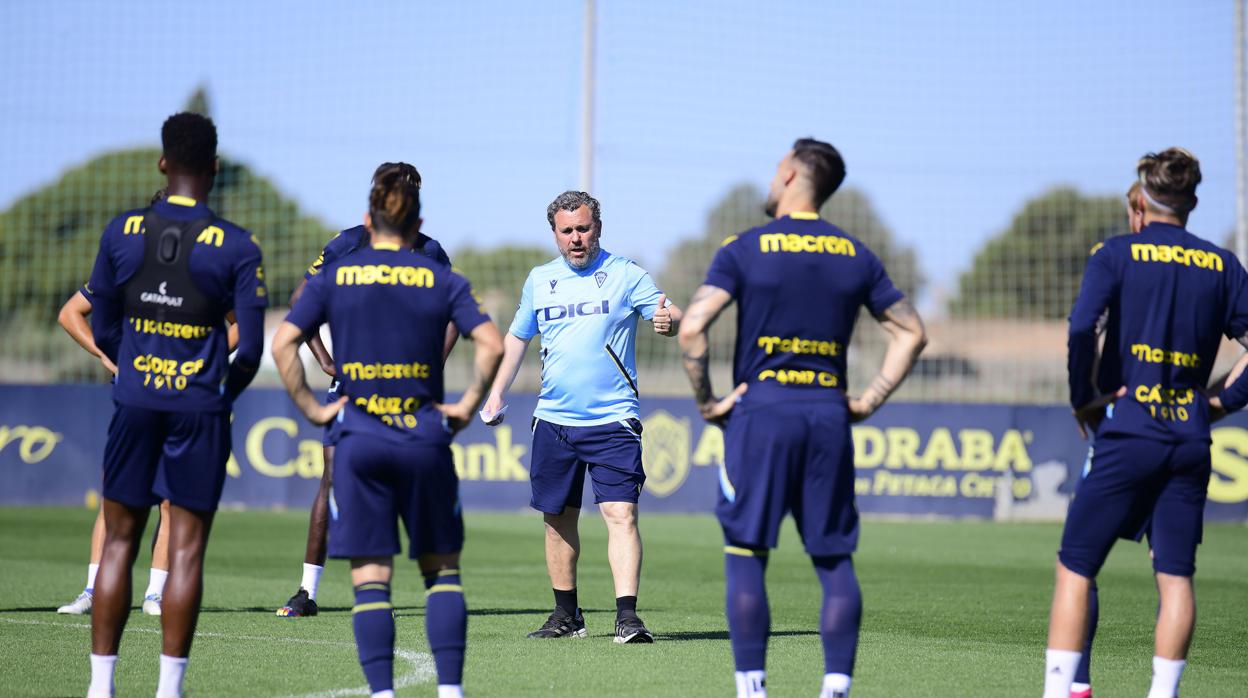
(988, 149)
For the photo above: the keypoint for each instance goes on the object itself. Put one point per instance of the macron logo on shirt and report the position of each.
(571, 310)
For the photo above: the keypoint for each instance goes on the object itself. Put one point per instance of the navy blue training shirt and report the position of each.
(175, 366)
(798, 282)
(1170, 297)
(388, 310)
(357, 238)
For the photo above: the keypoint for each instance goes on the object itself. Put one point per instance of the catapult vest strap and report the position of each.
(163, 289)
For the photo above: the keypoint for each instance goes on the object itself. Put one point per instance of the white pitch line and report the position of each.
(421, 663)
(422, 670)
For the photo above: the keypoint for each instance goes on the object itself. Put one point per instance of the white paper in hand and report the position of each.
(493, 418)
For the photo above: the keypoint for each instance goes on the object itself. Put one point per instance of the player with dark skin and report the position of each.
(318, 519)
(188, 532)
(189, 527)
(74, 318)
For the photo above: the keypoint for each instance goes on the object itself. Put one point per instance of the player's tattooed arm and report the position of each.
(878, 391)
(697, 361)
(286, 343)
(906, 340)
(705, 306)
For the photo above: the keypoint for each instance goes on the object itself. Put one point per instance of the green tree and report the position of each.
(1033, 268)
(684, 269)
(497, 275)
(49, 239)
(198, 103)
(740, 209)
(853, 211)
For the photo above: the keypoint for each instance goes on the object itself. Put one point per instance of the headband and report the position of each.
(1154, 202)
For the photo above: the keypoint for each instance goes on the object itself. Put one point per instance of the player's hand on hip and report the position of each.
(457, 416)
(1216, 410)
(662, 318)
(329, 369)
(1090, 415)
(859, 409)
(493, 407)
(320, 414)
(716, 410)
(112, 367)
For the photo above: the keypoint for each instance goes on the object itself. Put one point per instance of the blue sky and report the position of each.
(950, 115)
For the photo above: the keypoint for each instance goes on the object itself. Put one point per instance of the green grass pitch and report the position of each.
(952, 609)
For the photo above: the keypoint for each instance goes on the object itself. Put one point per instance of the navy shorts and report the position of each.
(1133, 487)
(561, 455)
(153, 455)
(378, 483)
(783, 457)
(333, 430)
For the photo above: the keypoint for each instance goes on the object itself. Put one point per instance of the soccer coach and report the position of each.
(585, 304)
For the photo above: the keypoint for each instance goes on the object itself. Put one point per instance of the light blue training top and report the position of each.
(588, 322)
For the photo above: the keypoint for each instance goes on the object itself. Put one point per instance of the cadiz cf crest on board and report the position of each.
(665, 452)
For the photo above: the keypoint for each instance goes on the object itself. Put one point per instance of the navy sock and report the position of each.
(625, 607)
(373, 618)
(749, 619)
(446, 624)
(842, 612)
(566, 600)
(1083, 674)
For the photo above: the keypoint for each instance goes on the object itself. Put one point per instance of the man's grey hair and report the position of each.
(570, 201)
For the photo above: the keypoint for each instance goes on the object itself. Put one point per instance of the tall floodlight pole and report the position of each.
(1241, 173)
(586, 180)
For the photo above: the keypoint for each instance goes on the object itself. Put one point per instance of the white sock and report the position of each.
(311, 579)
(1059, 672)
(1166, 674)
(384, 694)
(102, 667)
(835, 686)
(1077, 687)
(450, 690)
(751, 684)
(156, 582)
(92, 570)
(172, 670)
